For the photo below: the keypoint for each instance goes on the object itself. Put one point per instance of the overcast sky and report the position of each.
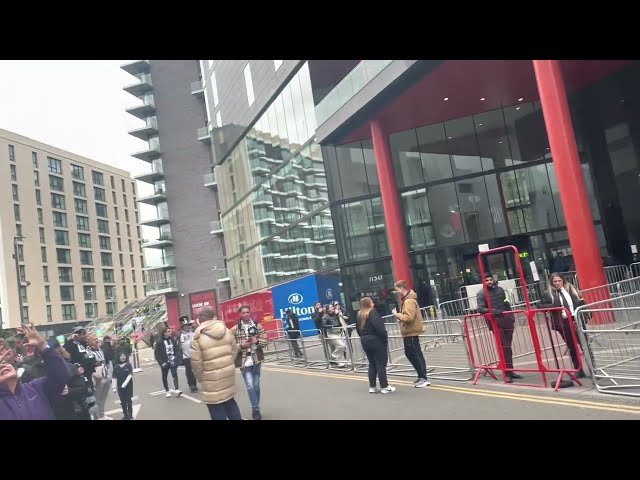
(76, 105)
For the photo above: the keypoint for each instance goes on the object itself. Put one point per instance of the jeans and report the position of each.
(251, 377)
(377, 355)
(228, 410)
(414, 354)
(191, 378)
(506, 324)
(174, 374)
(126, 402)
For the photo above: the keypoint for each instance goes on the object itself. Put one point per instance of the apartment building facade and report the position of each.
(73, 224)
(183, 260)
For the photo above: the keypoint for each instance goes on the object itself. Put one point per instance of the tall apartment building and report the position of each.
(73, 224)
(184, 261)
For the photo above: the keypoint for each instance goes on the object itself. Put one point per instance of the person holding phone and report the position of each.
(32, 401)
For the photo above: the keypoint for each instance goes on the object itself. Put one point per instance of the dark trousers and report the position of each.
(174, 374)
(505, 329)
(228, 410)
(191, 378)
(377, 355)
(414, 354)
(565, 333)
(126, 401)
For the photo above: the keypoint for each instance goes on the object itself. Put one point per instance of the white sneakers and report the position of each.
(421, 383)
(373, 390)
(177, 393)
(389, 389)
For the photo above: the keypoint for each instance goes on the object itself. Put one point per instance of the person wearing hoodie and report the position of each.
(213, 353)
(411, 327)
(123, 374)
(166, 354)
(77, 398)
(77, 345)
(32, 401)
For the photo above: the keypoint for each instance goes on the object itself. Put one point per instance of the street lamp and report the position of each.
(16, 239)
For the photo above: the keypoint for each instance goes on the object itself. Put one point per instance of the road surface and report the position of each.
(290, 393)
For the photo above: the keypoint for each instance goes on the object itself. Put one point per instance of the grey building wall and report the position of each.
(185, 161)
(233, 104)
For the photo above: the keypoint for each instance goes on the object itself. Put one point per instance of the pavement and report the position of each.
(292, 393)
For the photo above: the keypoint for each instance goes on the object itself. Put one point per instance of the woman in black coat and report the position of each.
(562, 294)
(375, 343)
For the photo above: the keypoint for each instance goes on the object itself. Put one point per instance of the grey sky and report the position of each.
(76, 105)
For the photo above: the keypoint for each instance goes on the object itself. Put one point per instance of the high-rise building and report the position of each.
(183, 260)
(73, 223)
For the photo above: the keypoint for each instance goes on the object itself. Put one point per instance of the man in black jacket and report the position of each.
(77, 345)
(293, 332)
(497, 305)
(166, 354)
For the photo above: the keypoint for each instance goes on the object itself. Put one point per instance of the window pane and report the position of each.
(417, 217)
(445, 213)
(474, 209)
(406, 158)
(462, 145)
(353, 175)
(434, 153)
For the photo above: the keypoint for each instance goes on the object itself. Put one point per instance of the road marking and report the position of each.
(191, 398)
(159, 392)
(485, 393)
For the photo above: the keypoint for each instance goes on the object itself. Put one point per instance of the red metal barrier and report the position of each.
(520, 338)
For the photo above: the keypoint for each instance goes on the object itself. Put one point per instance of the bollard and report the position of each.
(136, 361)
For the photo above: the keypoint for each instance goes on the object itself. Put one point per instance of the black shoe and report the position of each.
(514, 376)
(580, 374)
(194, 389)
(256, 415)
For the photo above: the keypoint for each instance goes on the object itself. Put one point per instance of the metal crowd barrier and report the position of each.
(610, 332)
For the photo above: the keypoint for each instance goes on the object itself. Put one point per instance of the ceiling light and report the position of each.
(449, 138)
(446, 98)
(479, 124)
(500, 141)
(520, 99)
(517, 108)
(621, 101)
(482, 99)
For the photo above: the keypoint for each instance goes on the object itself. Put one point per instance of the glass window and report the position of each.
(82, 223)
(493, 139)
(56, 183)
(14, 191)
(12, 153)
(62, 237)
(462, 146)
(38, 198)
(248, 83)
(445, 214)
(527, 133)
(59, 219)
(40, 217)
(14, 176)
(42, 239)
(21, 253)
(113, 183)
(34, 159)
(16, 211)
(45, 273)
(68, 312)
(353, 175)
(36, 178)
(475, 211)
(536, 199)
(65, 274)
(498, 207)
(126, 214)
(370, 166)
(128, 232)
(77, 172)
(106, 259)
(54, 165)
(103, 226)
(47, 293)
(101, 210)
(64, 255)
(84, 240)
(99, 194)
(122, 276)
(49, 316)
(417, 217)
(18, 230)
(86, 257)
(79, 190)
(57, 201)
(88, 276)
(98, 178)
(67, 293)
(81, 206)
(22, 273)
(105, 243)
(90, 310)
(119, 244)
(43, 254)
(107, 276)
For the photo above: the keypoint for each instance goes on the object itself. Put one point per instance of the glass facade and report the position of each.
(486, 178)
(273, 196)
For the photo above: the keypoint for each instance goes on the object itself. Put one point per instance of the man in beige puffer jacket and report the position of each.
(213, 352)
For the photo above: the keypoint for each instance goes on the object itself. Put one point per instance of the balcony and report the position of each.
(146, 109)
(146, 132)
(156, 173)
(348, 87)
(166, 263)
(161, 219)
(158, 196)
(204, 135)
(210, 180)
(137, 67)
(140, 88)
(156, 288)
(149, 155)
(216, 228)
(197, 89)
(160, 242)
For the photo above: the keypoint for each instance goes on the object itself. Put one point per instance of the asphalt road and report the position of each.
(290, 393)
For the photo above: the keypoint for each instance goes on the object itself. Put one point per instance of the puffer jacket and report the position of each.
(213, 351)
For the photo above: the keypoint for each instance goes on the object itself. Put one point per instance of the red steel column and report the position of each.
(573, 193)
(391, 203)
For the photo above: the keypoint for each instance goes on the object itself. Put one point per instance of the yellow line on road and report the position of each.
(566, 402)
